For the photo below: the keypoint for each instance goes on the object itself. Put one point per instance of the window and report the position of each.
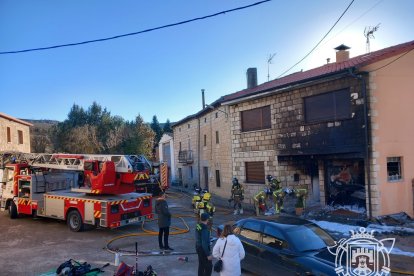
(20, 136)
(191, 171)
(256, 119)
(8, 135)
(218, 183)
(394, 168)
(330, 106)
(205, 140)
(180, 146)
(216, 114)
(189, 125)
(255, 172)
(217, 137)
(205, 120)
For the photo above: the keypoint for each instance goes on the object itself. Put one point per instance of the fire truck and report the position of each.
(95, 190)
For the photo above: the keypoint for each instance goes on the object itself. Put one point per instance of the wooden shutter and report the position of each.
(255, 172)
(256, 119)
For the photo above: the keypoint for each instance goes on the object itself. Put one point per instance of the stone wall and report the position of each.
(14, 144)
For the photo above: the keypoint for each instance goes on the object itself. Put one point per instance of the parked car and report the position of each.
(284, 246)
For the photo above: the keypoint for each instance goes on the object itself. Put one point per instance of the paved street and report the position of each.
(32, 247)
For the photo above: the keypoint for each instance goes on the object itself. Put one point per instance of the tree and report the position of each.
(155, 126)
(167, 127)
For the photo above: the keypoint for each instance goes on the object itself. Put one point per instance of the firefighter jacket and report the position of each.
(237, 191)
(261, 196)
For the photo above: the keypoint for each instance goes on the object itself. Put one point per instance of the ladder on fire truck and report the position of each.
(15, 156)
(63, 161)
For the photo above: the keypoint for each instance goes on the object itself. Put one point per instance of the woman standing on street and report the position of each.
(164, 221)
(233, 252)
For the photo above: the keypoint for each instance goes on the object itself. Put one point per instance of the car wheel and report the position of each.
(13, 210)
(74, 221)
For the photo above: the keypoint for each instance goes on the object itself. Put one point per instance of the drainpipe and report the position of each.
(198, 153)
(367, 145)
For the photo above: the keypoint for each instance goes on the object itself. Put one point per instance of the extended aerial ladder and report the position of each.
(102, 173)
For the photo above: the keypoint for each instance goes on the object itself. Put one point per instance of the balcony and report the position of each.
(185, 156)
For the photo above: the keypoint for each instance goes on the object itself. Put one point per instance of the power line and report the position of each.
(134, 33)
(319, 41)
(394, 60)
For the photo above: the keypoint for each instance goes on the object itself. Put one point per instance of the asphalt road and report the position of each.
(34, 246)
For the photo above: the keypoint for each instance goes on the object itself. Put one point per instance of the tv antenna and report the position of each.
(269, 61)
(369, 33)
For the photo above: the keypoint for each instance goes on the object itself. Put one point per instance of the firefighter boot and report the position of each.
(277, 209)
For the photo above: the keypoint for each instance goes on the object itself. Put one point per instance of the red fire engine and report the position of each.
(81, 189)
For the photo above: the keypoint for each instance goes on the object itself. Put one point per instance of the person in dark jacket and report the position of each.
(164, 221)
(202, 236)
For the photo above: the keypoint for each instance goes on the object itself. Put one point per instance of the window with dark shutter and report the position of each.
(330, 106)
(255, 172)
(256, 119)
(218, 182)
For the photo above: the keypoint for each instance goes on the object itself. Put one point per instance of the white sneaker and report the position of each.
(235, 212)
(241, 211)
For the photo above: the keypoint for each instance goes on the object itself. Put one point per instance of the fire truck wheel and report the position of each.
(75, 221)
(13, 210)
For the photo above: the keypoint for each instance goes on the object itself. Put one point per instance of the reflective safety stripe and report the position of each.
(23, 201)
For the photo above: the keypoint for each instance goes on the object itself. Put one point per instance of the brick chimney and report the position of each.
(251, 77)
(342, 53)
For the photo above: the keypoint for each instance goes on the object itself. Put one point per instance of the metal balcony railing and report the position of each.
(185, 156)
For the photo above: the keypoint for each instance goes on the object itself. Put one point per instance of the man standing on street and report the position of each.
(202, 233)
(164, 221)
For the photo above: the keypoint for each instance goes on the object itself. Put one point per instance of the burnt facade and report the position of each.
(315, 140)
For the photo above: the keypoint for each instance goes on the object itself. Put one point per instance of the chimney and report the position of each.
(341, 53)
(251, 77)
(202, 98)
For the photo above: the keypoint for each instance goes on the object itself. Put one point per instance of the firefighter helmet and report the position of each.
(207, 196)
(269, 178)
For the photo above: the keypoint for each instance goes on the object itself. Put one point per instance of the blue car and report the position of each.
(284, 246)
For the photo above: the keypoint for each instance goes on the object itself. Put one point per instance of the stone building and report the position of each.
(342, 131)
(14, 134)
(202, 150)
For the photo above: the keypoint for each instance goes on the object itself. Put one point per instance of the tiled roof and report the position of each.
(14, 119)
(325, 70)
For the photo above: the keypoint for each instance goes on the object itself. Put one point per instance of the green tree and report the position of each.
(167, 127)
(155, 126)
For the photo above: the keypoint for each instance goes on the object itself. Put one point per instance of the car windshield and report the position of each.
(309, 238)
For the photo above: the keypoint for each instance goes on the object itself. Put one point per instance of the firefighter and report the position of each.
(208, 205)
(278, 197)
(260, 201)
(237, 195)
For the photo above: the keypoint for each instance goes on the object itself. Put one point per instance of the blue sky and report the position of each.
(162, 72)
